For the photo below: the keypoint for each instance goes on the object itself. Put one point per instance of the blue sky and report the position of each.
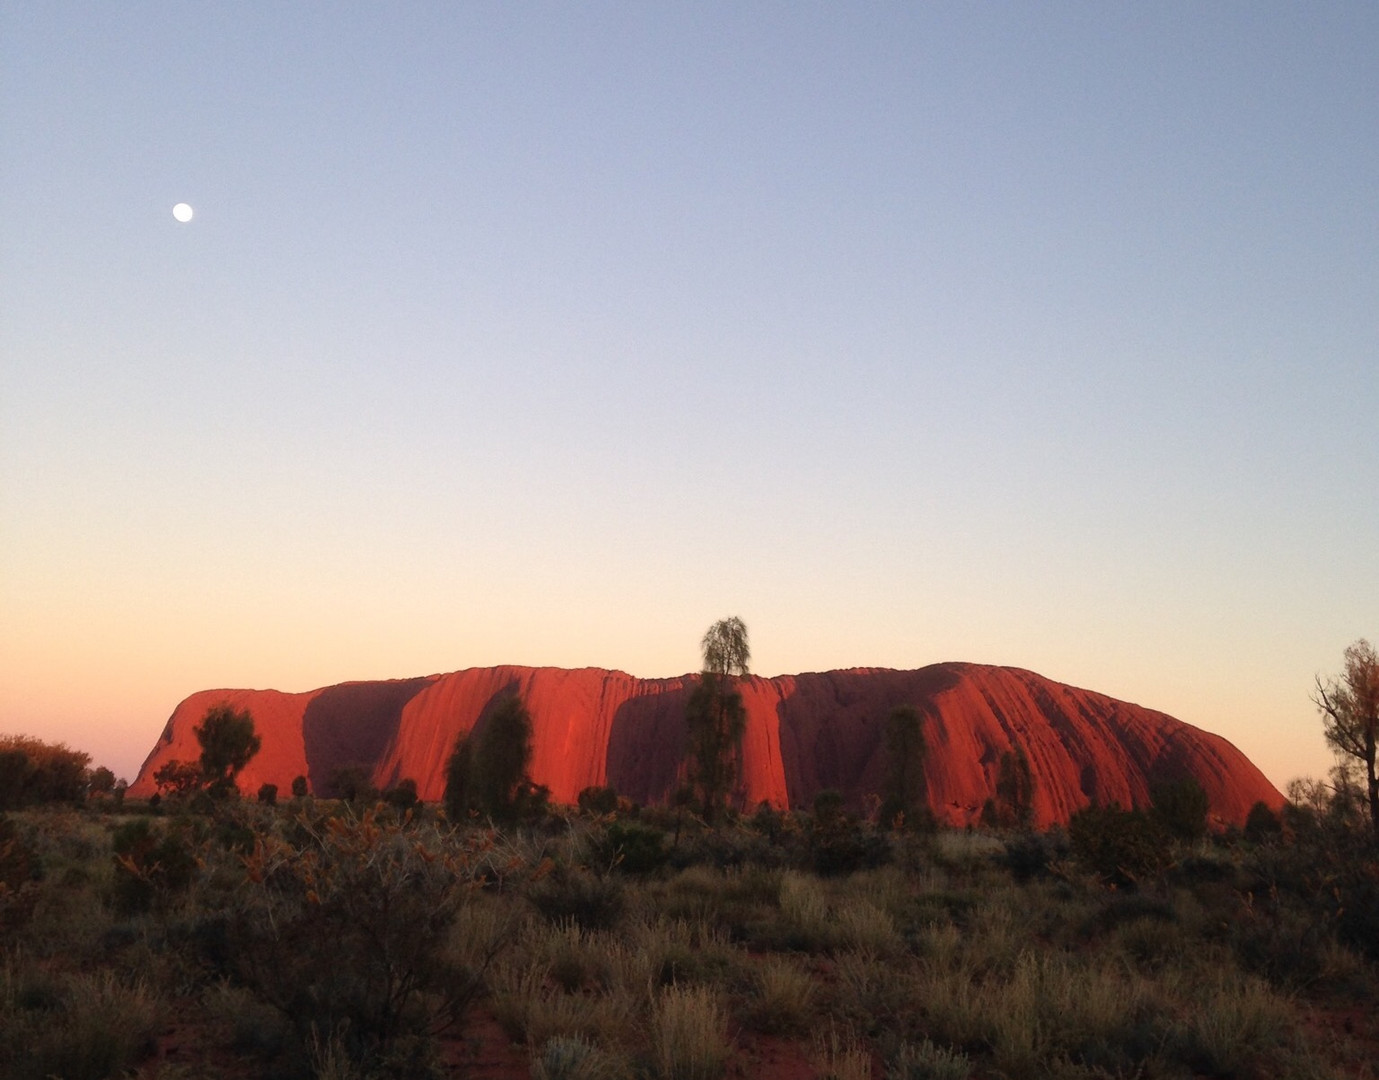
(1039, 335)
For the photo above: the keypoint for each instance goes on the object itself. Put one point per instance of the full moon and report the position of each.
(182, 212)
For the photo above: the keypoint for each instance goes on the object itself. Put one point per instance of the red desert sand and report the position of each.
(805, 734)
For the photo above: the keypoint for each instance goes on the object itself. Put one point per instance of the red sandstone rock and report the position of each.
(805, 733)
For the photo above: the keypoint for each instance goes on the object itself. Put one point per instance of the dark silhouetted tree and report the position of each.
(353, 784)
(178, 778)
(1262, 825)
(1349, 707)
(228, 743)
(33, 771)
(268, 794)
(102, 781)
(1014, 789)
(1180, 806)
(487, 771)
(716, 718)
(458, 798)
(402, 795)
(299, 787)
(904, 797)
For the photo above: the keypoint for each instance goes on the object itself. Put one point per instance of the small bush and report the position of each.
(575, 1058)
(151, 865)
(631, 848)
(575, 894)
(1262, 825)
(783, 998)
(689, 1034)
(85, 1027)
(1180, 807)
(840, 1057)
(598, 800)
(268, 794)
(926, 1061)
(1122, 847)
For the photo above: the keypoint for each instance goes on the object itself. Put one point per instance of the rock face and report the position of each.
(805, 734)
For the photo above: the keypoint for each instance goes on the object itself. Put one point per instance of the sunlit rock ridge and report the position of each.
(805, 733)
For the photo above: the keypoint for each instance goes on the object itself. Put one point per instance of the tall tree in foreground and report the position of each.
(716, 718)
(487, 771)
(904, 798)
(1349, 707)
(228, 742)
(1014, 801)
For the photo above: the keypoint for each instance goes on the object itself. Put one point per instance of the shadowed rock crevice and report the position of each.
(353, 724)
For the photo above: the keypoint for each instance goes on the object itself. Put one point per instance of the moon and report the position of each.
(182, 212)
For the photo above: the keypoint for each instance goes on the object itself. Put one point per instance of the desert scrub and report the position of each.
(782, 998)
(1045, 1014)
(871, 992)
(840, 1056)
(680, 951)
(689, 1038)
(926, 1061)
(79, 1027)
(562, 1058)
(805, 922)
(531, 1008)
(567, 893)
(1239, 1026)
(343, 930)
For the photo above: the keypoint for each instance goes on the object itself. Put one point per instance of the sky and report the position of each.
(1041, 335)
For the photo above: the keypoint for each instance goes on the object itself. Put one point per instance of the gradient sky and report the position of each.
(1043, 335)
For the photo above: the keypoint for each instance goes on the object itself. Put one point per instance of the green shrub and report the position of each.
(1262, 825)
(342, 931)
(575, 894)
(783, 998)
(598, 800)
(689, 1034)
(1122, 847)
(19, 871)
(151, 865)
(631, 848)
(575, 1058)
(1180, 807)
(926, 1061)
(80, 1027)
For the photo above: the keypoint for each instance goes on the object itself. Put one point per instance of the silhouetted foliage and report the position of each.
(151, 864)
(1014, 789)
(1180, 807)
(457, 798)
(631, 848)
(1262, 825)
(501, 759)
(487, 771)
(268, 794)
(905, 792)
(353, 784)
(178, 778)
(716, 718)
(1349, 707)
(341, 929)
(34, 772)
(598, 800)
(574, 894)
(402, 795)
(102, 781)
(838, 843)
(299, 787)
(228, 743)
(1122, 847)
